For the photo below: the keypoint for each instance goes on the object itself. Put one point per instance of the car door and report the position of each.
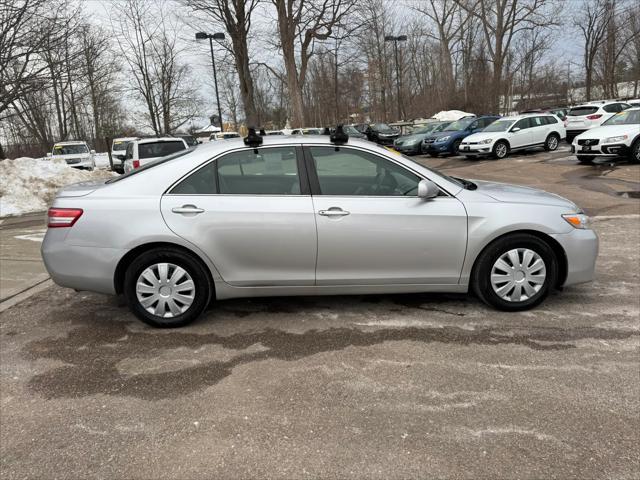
(520, 135)
(373, 229)
(539, 130)
(251, 212)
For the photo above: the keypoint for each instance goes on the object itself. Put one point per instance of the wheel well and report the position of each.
(118, 277)
(504, 140)
(554, 134)
(561, 256)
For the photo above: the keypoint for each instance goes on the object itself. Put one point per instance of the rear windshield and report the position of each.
(580, 111)
(159, 149)
(152, 164)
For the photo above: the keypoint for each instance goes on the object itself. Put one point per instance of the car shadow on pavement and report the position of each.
(95, 347)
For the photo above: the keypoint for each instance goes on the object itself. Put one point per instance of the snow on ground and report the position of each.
(29, 185)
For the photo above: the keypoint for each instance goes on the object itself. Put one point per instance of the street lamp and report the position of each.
(395, 39)
(216, 36)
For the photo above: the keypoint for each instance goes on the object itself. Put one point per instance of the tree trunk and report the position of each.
(296, 102)
(241, 52)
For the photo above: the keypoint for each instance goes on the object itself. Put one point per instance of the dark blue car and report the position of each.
(448, 141)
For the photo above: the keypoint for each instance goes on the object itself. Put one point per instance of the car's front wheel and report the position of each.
(515, 272)
(500, 150)
(167, 288)
(635, 152)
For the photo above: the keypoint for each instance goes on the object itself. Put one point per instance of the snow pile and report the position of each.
(29, 185)
(451, 115)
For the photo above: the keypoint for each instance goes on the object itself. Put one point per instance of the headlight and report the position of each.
(486, 141)
(621, 138)
(443, 139)
(577, 220)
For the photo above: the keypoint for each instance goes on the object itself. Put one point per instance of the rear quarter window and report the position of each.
(581, 111)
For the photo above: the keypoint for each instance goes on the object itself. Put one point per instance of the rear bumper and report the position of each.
(80, 268)
(581, 250)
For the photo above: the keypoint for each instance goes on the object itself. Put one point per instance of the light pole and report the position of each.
(212, 37)
(395, 39)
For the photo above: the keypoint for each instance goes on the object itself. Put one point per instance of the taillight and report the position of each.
(63, 217)
(136, 163)
(594, 117)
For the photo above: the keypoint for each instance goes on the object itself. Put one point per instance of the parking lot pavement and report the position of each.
(386, 386)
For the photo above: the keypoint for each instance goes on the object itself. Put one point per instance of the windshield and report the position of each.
(626, 117)
(152, 164)
(460, 125)
(499, 126)
(70, 149)
(119, 145)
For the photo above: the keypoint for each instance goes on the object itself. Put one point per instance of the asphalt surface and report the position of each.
(400, 386)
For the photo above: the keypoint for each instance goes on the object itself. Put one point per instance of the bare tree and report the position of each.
(592, 23)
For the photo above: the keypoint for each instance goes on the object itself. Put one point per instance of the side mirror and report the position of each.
(48, 154)
(93, 152)
(515, 129)
(427, 189)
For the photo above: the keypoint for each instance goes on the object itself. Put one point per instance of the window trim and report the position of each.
(305, 189)
(315, 182)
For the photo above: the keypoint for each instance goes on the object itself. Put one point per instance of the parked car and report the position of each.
(449, 140)
(591, 115)
(274, 132)
(196, 226)
(617, 137)
(353, 132)
(76, 153)
(412, 143)
(307, 131)
(509, 134)
(145, 150)
(635, 102)
(190, 140)
(223, 136)
(118, 150)
(381, 133)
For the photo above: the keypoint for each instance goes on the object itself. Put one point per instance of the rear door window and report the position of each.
(159, 149)
(582, 111)
(523, 123)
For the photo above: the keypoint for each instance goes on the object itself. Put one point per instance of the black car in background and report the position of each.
(381, 133)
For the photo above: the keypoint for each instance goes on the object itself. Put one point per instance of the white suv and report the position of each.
(75, 153)
(142, 151)
(515, 133)
(590, 115)
(617, 137)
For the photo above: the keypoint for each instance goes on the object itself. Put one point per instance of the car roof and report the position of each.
(598, 104)
(125, 138)
(71, 142)
(159, 139)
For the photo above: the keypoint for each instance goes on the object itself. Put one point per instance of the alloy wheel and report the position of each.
(553, 143)
(517, 275)
(165, 290)
(501, 150)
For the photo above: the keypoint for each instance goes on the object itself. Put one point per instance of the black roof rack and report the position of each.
(338, 137)
(253, 139)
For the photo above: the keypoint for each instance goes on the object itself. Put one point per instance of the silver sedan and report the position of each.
(305, 216)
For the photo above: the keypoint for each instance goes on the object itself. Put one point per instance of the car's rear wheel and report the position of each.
(167, 288)
(552, 142)
(515, 272)
(500, 150)
(585, 159)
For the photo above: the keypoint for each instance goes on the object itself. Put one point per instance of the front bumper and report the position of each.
(606, 150)
(80, 268)
(476, 150)
(581, 250)
(438, 148)
(413, 148)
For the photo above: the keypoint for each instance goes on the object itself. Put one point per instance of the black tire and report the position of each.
(585, 159)
(456, 147)
(499, 153)
(433, 154)
(202, 286)
(552, 142)
(481, 275)
(470, 157)
(634, 156)
(569, 138)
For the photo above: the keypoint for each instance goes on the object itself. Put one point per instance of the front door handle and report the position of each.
(187, 209)
(333, 212)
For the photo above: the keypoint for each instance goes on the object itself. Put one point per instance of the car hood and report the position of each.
(605, 131)
(81, 189)
(476, 137)
(416, 137)
(505, 192)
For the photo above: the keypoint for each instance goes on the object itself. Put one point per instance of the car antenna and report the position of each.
(339, 137)
(253, 139)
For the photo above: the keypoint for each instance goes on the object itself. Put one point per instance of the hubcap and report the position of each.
(518, 275)
(501, 150)
(638, 153)
(165, 290)
(553, 143)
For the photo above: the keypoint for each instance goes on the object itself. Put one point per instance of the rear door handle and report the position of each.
(333, 212)
(186, 209)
